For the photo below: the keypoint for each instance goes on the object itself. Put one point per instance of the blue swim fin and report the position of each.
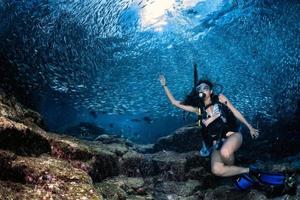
(269, 178)
(272, 178)
(272, 183)
(244, 182)
(258, 178)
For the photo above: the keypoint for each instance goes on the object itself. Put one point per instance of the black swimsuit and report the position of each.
(217, 129)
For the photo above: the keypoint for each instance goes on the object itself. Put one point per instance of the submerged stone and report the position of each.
(43, 177)
(184, 139)
(21, 139)
(85, 130)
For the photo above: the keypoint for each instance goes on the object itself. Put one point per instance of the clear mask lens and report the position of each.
(202, 88)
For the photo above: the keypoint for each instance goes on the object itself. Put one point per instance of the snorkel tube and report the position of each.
(201, 94)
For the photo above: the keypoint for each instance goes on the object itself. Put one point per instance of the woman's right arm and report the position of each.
(173, 100)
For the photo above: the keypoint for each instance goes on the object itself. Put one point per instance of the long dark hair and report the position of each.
(193, 98)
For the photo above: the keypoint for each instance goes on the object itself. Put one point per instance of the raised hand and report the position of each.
(162, 80)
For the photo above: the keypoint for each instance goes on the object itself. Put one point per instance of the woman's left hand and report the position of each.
(254, 133)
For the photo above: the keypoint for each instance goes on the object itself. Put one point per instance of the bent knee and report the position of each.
(217, 169)
(226, 153)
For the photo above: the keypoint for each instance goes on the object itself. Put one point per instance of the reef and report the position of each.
(38, 164)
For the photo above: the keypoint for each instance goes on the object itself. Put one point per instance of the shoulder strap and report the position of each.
(216, 99)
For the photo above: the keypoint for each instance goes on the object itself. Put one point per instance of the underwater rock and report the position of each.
(68, 148)
(229, 193)
(51, 178)
(182, 140)
(10, 108)
(170, 165)
(7, 171)
(165, 190)
(21, 139)
(85, 130)
(122, 187)
(136, 164)
(279, 147)
(167, 165)
(144, 148)
(108, 139)
(16, 191)
(99, 160)
(287, 165)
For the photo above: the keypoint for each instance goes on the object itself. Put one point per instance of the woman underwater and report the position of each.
(219, 131)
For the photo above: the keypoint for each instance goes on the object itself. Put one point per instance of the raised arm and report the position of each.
(254, 132)
(173, 100)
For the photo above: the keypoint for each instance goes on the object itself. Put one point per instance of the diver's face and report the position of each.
(204, 88)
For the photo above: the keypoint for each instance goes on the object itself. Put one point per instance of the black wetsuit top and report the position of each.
(217, 129)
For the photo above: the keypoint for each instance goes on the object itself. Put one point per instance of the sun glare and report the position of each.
(154, 14)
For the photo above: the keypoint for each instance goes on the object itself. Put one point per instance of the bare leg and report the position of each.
(231, 145)
(219, 159)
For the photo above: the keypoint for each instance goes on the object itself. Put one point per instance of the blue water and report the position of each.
(73, 57)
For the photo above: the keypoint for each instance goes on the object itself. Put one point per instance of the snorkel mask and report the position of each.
(201, 89)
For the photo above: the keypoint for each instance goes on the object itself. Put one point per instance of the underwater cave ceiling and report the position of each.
(106, 55)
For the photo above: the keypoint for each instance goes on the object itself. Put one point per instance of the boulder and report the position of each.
(166, 190)
(229, 193)
(184, 139)
(43, 177)
(21, 139)
(12, 109)
(99, 160)
(85, 130)
(122, 187)
(136, 164)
